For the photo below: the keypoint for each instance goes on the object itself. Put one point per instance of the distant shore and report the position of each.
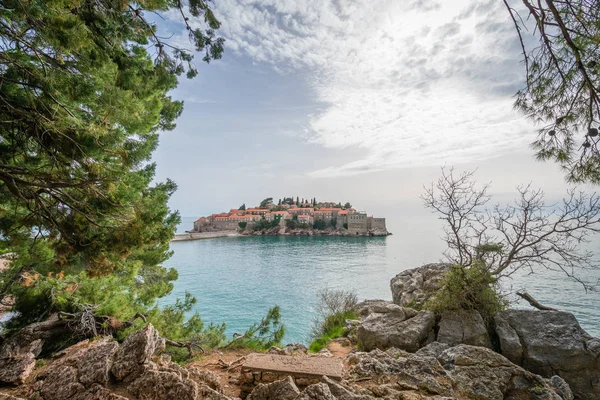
(181, 237)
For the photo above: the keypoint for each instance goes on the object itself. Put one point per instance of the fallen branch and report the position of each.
(527, 297)
(188, 345)
(231, 365)
(235, 339)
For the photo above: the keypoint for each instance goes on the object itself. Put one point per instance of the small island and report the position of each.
(289, 217)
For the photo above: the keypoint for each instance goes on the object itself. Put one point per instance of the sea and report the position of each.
(236, 280)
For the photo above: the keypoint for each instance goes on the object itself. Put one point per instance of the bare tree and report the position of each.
(525, 234)
(560, 40)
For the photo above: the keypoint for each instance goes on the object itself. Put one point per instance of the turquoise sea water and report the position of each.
(236, 280)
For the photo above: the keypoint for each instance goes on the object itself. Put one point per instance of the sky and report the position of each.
(350, 100)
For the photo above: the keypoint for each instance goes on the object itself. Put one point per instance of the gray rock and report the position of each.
(432, 349)
(413, 287)
(135, 353)
(466, 327)
(15, 369)
(394, 329)
(284, 389)
(162, 385)
(561, 387)
(341, 392)
(318, 391)
(16, 362)
(552, 343)
(480, 373)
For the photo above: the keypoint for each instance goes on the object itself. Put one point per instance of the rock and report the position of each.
(552, 343)
(480, 373)
(412, 372)
(9, 397)
(395, 329)
(289, 350)
(461, 372)
(14, 370)
(17, 363)
(433, 349)
(318, 391)
(97, 392)
(135, 353)
(561, 387)
(203, 377)
(341, 392)
(324, 353)
(465, 327)
(368, 307)
(284, 389)
(162, 385)
(412, 288)
(80, 372)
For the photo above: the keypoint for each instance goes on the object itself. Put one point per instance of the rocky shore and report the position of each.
(392, 351)
(182, 237)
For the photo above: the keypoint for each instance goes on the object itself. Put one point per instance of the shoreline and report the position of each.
(183, 237)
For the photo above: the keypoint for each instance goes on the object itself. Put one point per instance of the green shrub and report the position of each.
(345, 225)
(242, 225)
(263, 224)
(320, 224)
(333, 309)
(333, 222)
(260, 336)
(472, 288)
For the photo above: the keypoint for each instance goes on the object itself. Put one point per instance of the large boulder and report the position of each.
(79, 372)
(413, 287)
(460, 372)
(466, 327)
(135, 354)
(552, 343)
(480, 373)
(396, 326)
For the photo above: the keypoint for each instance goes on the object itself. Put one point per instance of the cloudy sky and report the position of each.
(359, 100)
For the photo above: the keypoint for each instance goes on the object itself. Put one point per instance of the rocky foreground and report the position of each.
(404, 354)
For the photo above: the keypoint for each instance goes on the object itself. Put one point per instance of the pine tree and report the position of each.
(82, 103)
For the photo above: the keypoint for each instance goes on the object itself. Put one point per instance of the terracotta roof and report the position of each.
(343, 212)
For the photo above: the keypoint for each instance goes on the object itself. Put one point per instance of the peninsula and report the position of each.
(291, 217)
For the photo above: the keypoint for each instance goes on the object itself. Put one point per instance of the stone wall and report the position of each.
(378, 224)
(357, 223)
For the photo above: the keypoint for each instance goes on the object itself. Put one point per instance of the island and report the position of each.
(290, 217)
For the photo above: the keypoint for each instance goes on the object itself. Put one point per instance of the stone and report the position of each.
(163, 385)
(15, 369)
(9, 397)
(294, 366)
(552, 343)
(97, 392)
(433, 349)
(460, 372)
(412, 372)
(561, 387)
(392, 329)
(284, 389)
(341, 392)
(318, 391)
(466, 327)
(135, 353)
(480, 373)
(203, 377)
(413, 287)
(289, 350)
(16, 362)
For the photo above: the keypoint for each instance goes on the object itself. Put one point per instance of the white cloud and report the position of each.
(410, 82)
